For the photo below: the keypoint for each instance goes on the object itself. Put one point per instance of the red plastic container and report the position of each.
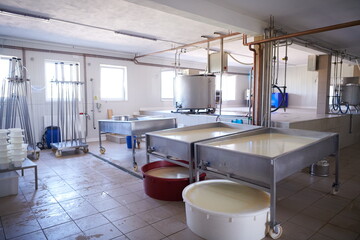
(167, 189)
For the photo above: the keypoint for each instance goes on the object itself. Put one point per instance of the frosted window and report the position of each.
(113, 83)
(4, 73)
(228, 87)
(69, 74)
(167, 85)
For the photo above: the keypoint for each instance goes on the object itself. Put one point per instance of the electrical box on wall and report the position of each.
(312, 63)
(215, 62)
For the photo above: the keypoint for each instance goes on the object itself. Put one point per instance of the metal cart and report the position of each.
(134, 128)
(175, 144)
(223, 159)
(67, 99)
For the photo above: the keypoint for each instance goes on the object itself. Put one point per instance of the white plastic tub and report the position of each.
(3, 146)
(3, 133)
(9, 183)
(17, 162)
(17, 146)
(16, 140)
(17, 131)
(221, 209)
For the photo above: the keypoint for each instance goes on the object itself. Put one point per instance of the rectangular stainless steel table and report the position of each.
(134, 128)
(263, 157)
(175, 144)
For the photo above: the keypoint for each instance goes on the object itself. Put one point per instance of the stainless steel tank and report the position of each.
(351, 94)
(347, 80)
(195, 92)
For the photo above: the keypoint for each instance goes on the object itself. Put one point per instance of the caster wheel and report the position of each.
(86, 150)
(135, 167)
(58, 153)
(276, 232)
(102, 150)
(37, 156)
(335, 189)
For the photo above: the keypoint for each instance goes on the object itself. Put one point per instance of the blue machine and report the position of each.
(52, 133)
(277, 98)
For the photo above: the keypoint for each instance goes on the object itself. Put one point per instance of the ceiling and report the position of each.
(91, 23)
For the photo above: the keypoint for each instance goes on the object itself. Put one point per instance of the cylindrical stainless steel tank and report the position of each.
(351, 94)
(347, 80)
(192, 92)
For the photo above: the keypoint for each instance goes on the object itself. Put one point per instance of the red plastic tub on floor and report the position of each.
(167, 189)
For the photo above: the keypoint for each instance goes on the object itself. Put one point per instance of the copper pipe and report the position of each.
(307, 32)
(252, 99)
(104, 57)
(188, 45)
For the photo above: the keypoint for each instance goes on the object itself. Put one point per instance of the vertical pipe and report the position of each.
(221, 75)
(86, 100)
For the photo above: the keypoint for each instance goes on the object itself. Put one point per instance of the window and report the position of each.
(4, 73)
(228, 87)
(70, 72)
(113, 83)
(167, 85)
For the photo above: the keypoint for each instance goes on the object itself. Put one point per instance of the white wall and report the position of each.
(143, 90)
(301, 86)
(143, 86)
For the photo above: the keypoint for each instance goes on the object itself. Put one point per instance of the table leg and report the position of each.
(36, 178)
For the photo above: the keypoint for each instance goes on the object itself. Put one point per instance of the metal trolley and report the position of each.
(68, 90)
(263, 172)
(175, 144)
(16, 104)
(134, 128)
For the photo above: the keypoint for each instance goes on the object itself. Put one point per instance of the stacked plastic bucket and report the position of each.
(17, 148)
(13, 151)
(4, 157)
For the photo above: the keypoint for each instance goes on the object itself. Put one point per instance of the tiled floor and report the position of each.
(82, 197)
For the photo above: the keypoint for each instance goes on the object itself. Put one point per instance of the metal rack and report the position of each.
(66, 95)
(16, 104)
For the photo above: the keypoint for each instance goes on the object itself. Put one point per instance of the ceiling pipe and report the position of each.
(188, 45)
(104, 57)
(307, 32)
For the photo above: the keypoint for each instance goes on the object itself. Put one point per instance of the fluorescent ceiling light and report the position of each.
(23, 15)
(130, 34)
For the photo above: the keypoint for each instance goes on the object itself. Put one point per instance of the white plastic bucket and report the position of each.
(3, 133)
(16, 135)
(221, 209)
(3, 153)
(3, 146)
(16, 130)
(17, 163)
(16, 140)
(17, 146)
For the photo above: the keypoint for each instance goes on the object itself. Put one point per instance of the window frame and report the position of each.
(124, 85)
(233, 88)
(166, 99)
(48, 85)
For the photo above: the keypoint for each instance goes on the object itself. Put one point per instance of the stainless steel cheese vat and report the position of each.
(194, 92)
(351, 94)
